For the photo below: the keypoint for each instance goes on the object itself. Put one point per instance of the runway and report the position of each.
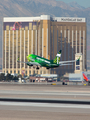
(43, 111)
(67, 101)
(44, 91)
(12, 110)
(45, 105)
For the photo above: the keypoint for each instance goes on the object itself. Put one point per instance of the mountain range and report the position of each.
(29, 8)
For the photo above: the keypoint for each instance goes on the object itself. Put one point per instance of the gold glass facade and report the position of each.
(70, 37)
(43, 37)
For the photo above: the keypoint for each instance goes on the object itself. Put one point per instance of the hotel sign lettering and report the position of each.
(66, 19)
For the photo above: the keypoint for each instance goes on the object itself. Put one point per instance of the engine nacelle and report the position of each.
(29, 64)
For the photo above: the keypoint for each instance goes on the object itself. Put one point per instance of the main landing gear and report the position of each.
(37, 68)
(47, 68)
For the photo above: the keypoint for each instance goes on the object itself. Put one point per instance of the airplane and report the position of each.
(43, 62)
(85, 77)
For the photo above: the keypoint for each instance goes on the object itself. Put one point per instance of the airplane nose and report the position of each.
(27, 57)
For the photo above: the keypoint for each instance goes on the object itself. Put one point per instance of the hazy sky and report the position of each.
(84, 3)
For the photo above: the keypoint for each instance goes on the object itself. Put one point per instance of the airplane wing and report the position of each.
(62, 62)
(29, 63)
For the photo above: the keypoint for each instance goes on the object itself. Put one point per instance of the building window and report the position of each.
(7, 71)
(78, 62)
(34, 72)
(30, 72)
(11, 72)
(77, 67)
(40, 72)
(18, 72)
(14, 71)
(26, 72)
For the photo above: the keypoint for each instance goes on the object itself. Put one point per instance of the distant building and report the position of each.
(43, 36)
(79, 77)
(41, 79)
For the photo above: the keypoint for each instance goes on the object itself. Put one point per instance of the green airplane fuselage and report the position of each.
(41, 61)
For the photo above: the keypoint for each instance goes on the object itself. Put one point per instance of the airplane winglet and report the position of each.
(78, 58)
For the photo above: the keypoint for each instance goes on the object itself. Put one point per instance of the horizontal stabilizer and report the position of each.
(65, 64)
(62, 62)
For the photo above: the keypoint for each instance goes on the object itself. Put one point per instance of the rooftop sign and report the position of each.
(43, 17)
(67, 19)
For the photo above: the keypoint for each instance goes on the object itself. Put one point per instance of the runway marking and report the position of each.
(44, 105)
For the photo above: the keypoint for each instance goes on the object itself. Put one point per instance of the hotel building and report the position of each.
(43, 36)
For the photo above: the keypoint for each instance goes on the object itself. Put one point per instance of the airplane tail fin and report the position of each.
(57, 58)
(85, 77)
